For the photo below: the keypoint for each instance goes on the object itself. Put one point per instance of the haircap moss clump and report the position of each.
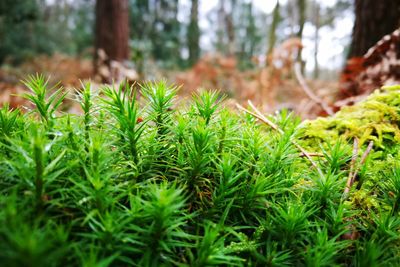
(152, 184)
(377, 119)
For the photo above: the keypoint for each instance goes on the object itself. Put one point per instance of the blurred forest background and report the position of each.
(245, 48)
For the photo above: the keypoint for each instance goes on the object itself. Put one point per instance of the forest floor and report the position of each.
(270, 89)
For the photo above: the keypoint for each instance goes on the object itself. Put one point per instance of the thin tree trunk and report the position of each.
(301, 8)
(194, 33)
(272, 30)
(230, 29)
(220, 26)
(290, 9)
(251, 30)
(316, 38)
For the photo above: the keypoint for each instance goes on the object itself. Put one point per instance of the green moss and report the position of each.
(154, 184)
(377, 119)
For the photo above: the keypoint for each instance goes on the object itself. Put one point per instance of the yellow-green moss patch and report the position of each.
(377, 118)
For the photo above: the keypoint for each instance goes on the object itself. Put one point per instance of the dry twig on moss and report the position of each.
(264, 119)
(353, 167)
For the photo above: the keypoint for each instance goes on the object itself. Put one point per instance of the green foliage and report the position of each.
(123, 106)
(27, 242)
(206, 104)
(46, 104)
(10, 121)
(211, 251)
(325, 250)
(30, 27)
(137, 180)
(159, 35)
(15, 18)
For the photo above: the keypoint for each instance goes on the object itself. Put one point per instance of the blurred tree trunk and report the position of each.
(374, 19)
(194, 33)
(249, 36)
(220, 27)
(301, 8)
(317, 26)
(229, 27)
(112, 30)
(226, 29)
(290, 8)
(251, 30)
(272, 30)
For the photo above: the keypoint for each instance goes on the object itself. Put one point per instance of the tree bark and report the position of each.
(374, 19)
(194, 33)
(112, 30)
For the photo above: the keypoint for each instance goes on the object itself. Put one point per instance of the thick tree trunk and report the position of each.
(374, 19)
(112, 30)
(194, 33)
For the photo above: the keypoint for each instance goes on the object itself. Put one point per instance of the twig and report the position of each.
(276, 127)
(309, 92)
(366, 153)
(353, 233)
(312, 154)
(352, 165)
(264, 119)
(354, 170)
(362, 161)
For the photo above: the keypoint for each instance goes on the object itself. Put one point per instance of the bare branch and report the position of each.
(352, 167)
(363, 158)
(263, 118)
(309, 92)
(312, 154)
